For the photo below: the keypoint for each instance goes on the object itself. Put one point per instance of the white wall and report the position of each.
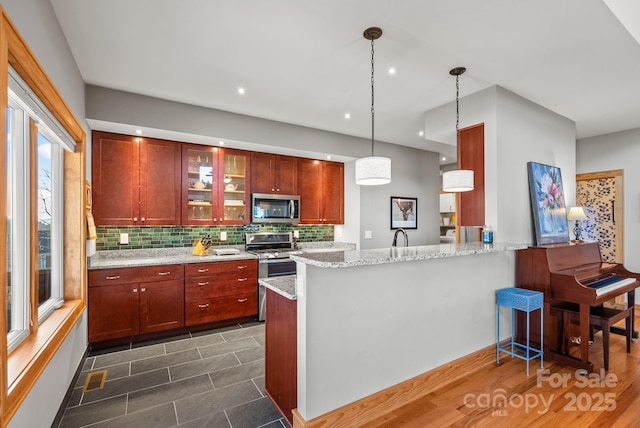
(39, 27)
(362, 329)
(620, 150)
(516, 131)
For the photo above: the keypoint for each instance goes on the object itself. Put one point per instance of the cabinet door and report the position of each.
(332, 193)
(234, 186)
(310, 188)
(161, 305)
(160, 164)
(199, 184)
(113, 311)
(286, 175)
(115, 179)
(262, 173)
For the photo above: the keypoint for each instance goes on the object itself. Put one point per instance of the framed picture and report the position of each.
(404, 213)
(547, 204)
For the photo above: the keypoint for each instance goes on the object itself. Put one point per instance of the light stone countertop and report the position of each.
(342, 259)
(158, 256)
(283, 285)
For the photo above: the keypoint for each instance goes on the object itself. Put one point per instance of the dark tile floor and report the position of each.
(206, 379)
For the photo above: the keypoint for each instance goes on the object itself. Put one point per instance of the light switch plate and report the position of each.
(368, 234)
(223, 236)
(124, 238)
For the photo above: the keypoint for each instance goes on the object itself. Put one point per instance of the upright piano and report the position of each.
(571, 273)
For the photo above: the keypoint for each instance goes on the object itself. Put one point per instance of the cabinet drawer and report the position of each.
(221, 308)
(100, 277)
(209, 268)
(219, 285)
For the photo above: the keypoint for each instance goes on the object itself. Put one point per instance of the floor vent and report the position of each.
(95, 381)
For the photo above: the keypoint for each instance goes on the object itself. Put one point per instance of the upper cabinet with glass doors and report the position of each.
(214, 186)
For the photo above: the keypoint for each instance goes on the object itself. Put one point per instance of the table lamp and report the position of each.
(577, 214)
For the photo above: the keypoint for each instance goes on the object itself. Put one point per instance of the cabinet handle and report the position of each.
(203, 270)
(142, 219)
(164, 273)
(135, 219)
(242, 279)
(242, 300)
(203, 283)
(206, 305)
(273, 190)
(277, 190)
(135, 290)
(242, 267)
(143, 289)
(113, 277)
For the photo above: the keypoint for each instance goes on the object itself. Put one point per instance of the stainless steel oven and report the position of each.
(273, 251)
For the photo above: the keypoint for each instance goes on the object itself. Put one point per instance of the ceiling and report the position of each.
(307, 63)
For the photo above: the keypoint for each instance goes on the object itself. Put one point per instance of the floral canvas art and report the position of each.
(547, 204)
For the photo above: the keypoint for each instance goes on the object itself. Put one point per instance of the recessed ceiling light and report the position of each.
(421, 133)
(347, 115)
(328, 157)
(392, 70)
(443, 158)
(241, 91)
(138, 131)
(221, 142)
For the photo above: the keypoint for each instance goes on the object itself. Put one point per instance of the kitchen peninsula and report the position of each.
(368, 320)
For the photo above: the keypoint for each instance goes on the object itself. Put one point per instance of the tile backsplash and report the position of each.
(183, 236)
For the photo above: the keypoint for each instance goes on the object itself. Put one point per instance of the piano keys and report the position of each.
(575, 274)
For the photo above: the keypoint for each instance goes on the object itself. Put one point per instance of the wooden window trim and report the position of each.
(20, 370)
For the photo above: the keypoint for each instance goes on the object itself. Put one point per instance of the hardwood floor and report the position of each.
(558, 396)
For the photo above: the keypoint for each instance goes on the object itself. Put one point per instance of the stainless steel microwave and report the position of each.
(267, 208)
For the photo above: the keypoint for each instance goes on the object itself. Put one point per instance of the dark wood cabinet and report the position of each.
(129, 301)
(135, 180)
(321, 187)
(281, 366)
(274, 174)
(221, 290)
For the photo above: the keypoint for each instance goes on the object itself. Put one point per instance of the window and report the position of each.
(42, 192)
(34, 198)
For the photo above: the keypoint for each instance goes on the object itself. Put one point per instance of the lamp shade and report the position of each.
(458, 180)
(373, 171)
(576, 213)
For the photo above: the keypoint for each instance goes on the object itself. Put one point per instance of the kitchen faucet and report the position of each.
(395, 238)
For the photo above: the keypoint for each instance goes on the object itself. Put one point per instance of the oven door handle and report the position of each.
(287, 260)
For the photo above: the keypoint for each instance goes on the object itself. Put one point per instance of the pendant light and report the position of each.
(373, 170)
(458, 180)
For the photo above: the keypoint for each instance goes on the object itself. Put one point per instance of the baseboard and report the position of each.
(375, 405)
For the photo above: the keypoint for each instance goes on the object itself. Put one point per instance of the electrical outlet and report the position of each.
(124, 238)
(368, 234)
(223, 236)
(296, 234)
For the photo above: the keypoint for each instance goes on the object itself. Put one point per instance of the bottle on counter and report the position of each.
(487, 234)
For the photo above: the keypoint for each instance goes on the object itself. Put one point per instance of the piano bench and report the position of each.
(526, 301)
(601, 318)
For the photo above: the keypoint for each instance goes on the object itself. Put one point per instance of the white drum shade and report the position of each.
(373, 171)
(458, 180)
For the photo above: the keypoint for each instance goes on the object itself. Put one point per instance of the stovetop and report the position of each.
(269, 245)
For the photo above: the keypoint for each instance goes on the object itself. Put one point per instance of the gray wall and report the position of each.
(36, 21)
(516, 131)
(620, 150)
(414, 172)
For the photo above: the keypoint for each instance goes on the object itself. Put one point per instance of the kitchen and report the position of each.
(414, 174)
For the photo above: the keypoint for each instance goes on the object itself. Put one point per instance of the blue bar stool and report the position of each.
(522, 300)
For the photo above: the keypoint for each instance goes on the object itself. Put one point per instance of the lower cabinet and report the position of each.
(281, 366)
(221, 290)
(129, 301)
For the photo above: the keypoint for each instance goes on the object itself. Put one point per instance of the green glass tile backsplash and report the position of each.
(183, 236)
